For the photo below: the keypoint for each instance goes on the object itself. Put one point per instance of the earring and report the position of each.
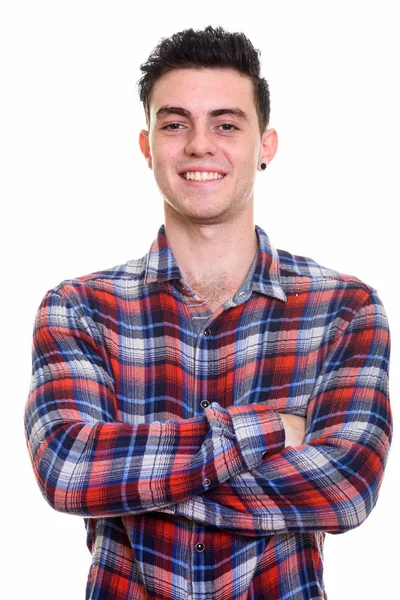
(263, 166)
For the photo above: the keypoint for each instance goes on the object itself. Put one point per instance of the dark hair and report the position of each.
(206, 48)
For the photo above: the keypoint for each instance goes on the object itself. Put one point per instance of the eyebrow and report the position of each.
(183, 112)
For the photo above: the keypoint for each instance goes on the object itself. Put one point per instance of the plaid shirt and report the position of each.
(158, 422)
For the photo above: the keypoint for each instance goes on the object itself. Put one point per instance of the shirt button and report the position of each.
(206, 482)
(204, 404)
(219, 519)
(200, 547)
(265, 454)
(207, 332)
(242, 294)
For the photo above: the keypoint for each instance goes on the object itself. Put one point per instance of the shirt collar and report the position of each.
(161, 265)
(267, 275)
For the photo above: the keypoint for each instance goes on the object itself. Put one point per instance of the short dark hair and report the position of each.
(206, 48)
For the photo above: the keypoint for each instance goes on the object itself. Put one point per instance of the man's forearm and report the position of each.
(331, 481)
(88, 463)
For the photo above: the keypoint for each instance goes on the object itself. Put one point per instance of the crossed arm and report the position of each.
(322, 473)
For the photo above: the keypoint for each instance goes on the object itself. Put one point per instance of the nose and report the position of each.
(200, 141)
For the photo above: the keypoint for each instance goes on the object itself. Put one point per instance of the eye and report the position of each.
(228, 125)
(172, 126)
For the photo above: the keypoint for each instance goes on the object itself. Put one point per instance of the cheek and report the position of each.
(244, 154)
(163, 170)
(247, 162)
(164, 159)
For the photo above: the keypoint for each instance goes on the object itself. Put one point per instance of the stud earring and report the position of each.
(263, 166)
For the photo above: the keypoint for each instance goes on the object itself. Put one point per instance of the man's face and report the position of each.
(205, 121)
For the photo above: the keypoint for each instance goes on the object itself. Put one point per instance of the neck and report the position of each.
(205, 250)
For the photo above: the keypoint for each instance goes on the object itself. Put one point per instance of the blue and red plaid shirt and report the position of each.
(158, 422)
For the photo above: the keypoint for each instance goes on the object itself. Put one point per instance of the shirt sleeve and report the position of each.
(331, 482)
(87, 462)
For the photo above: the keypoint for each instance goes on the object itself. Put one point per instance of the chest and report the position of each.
(215, 295)
(172, 360)
(215, 291)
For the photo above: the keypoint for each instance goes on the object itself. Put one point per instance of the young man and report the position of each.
(213, 408)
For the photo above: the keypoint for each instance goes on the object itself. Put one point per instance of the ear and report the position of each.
(145, 147)
(269, 146)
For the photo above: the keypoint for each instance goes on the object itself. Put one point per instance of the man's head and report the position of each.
(209, 48)
(204, 141)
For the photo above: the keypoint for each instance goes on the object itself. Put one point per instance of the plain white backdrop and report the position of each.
(77, 197)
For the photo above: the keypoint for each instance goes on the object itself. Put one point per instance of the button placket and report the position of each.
(205, 403)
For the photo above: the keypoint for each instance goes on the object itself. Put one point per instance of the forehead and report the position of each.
(203, 89)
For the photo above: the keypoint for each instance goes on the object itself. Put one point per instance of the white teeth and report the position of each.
(202, 176)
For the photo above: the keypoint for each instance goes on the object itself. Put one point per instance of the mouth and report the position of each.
(201, 176)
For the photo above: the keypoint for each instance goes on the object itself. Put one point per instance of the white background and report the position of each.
(77, 197)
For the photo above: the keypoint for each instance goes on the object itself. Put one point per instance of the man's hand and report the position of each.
(295, 429)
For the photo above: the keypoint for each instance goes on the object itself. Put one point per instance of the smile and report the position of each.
(201, 176)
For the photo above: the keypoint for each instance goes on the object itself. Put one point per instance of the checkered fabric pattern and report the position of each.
(159, 423)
